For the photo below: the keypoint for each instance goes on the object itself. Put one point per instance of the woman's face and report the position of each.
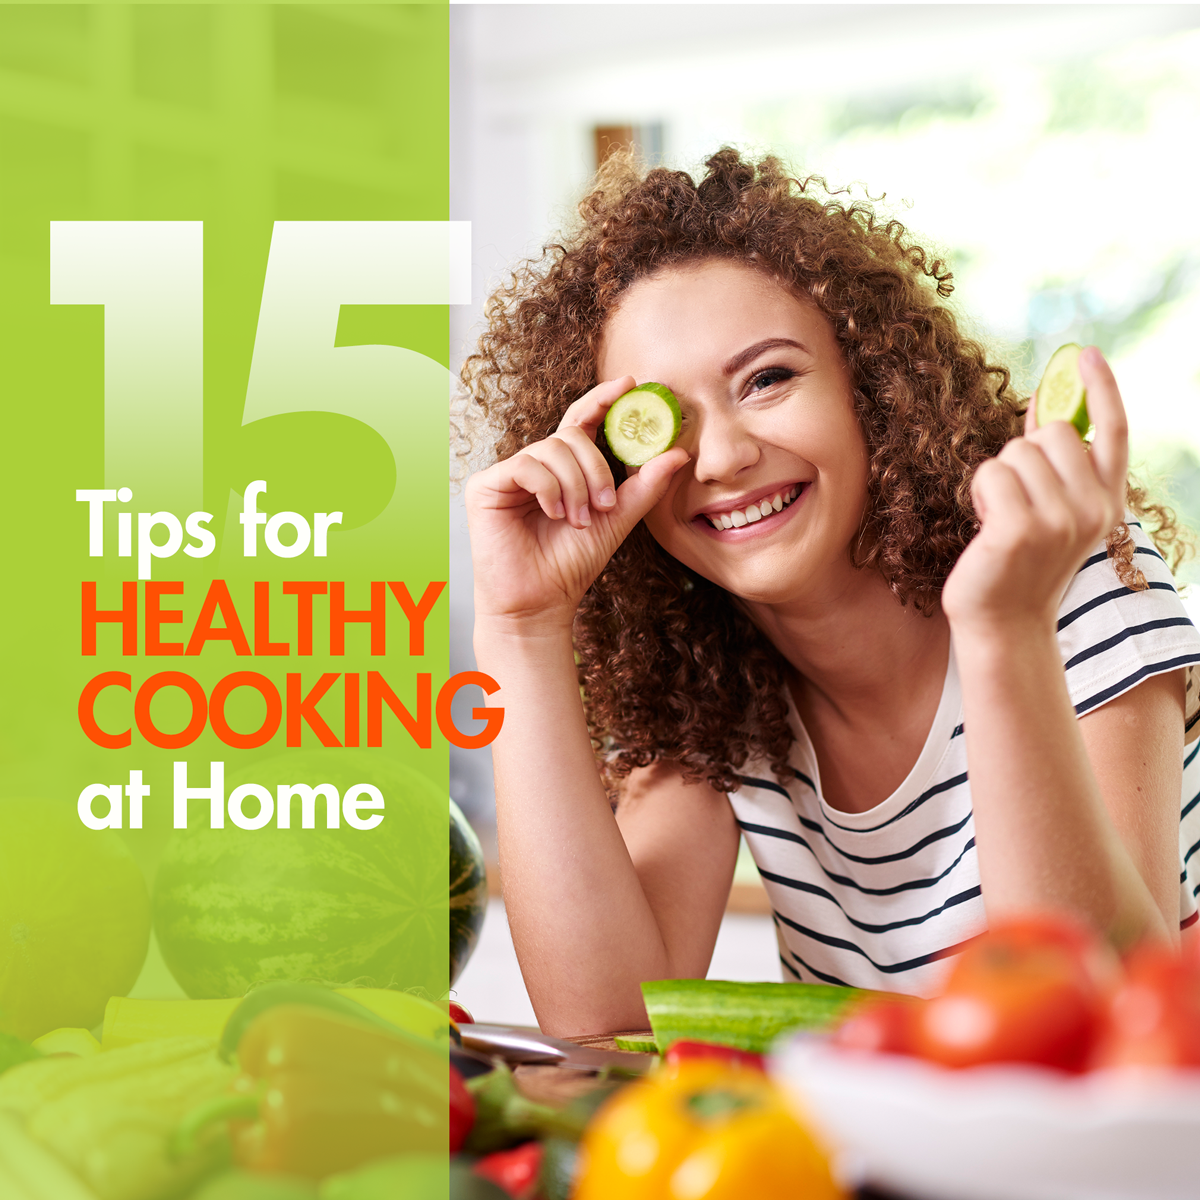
(768, 420)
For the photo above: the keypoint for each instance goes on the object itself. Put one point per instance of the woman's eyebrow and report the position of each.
(739, 360)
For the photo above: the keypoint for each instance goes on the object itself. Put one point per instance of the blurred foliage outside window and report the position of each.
(1061, 194)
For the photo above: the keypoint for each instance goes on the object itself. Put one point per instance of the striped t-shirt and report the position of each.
(881, 898)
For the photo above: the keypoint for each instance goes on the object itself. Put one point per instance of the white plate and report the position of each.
(999, 1133)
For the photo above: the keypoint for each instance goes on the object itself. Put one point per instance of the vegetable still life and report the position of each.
(754, 1089)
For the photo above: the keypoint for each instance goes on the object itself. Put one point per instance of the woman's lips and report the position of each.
(763, 509)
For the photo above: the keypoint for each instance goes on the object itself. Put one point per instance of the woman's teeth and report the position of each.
(753, 512)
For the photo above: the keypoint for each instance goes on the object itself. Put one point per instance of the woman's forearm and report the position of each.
(1045, 837)
(1081, 821)
(584, 932)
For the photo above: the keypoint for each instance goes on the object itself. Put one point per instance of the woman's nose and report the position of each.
(720, 446)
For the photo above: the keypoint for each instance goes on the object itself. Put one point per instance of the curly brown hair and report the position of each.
(671, 667)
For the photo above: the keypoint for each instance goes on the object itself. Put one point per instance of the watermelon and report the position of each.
(468, 891)
(235, 907)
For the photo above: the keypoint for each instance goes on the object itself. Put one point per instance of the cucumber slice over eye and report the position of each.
(642, 424)
(1061, 395)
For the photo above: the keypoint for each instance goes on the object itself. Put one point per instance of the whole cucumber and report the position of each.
(749, 1016)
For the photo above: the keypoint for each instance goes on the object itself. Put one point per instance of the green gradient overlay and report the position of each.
(185, 361)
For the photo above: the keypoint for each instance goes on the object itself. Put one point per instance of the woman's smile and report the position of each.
(762, 509)
(776, 486)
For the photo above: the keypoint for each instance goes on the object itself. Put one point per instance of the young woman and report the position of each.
(928, 665)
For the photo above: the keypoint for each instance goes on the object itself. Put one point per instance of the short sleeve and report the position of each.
(1112, 638)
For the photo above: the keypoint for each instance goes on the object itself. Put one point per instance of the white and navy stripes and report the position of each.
(881, 898)
(1189, 827)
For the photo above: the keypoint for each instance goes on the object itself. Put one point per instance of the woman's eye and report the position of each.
(769, 377)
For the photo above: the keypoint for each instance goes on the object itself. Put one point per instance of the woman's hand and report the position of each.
(545, 522)
(1044, 503)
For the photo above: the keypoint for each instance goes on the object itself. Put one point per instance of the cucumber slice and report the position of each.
(1061, 395)
(642, 424)
(639, 1045)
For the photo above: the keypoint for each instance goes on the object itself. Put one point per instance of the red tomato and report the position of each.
(459, 1015)
(515, 1170)
(685, 1049)
(880, 1026)
(1153, 1017)
(462, 1110)
(1029, 990)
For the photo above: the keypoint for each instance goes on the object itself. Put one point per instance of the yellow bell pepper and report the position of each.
(702, 1130)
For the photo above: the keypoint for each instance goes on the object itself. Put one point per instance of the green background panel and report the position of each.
(236, 116)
